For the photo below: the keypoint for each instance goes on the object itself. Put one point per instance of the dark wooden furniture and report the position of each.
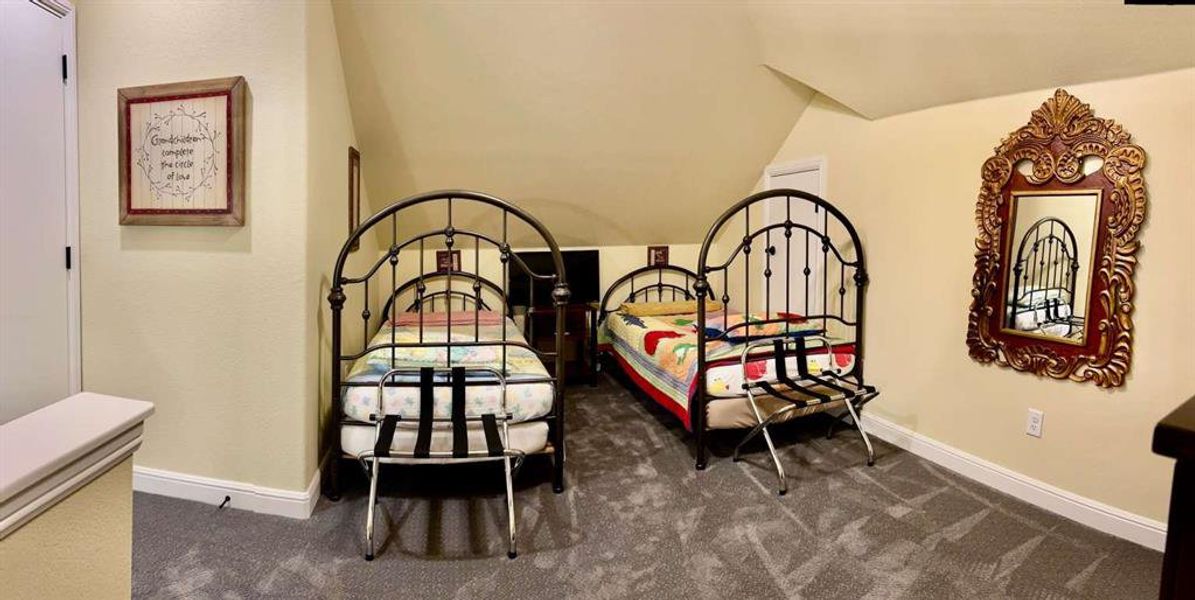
(540, 328)
(1175, 437)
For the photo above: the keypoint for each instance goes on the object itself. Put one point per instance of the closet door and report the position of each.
(36, 288)
(802, 295)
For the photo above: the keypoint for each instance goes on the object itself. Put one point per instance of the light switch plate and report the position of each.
(1034, 423)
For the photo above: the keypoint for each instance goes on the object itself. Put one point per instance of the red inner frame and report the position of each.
(1095, 312)
(128, 172)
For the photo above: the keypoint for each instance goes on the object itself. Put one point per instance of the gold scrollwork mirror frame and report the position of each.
(1060, 135)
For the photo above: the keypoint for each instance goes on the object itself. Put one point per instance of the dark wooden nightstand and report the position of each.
(540, 330)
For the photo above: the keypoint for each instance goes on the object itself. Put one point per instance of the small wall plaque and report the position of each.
(182, 153)
(657, 256)
(448, 260)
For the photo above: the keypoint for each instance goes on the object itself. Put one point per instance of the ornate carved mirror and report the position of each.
(1060, 207)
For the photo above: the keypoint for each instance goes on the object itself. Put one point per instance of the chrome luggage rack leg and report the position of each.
(498, 447)
(848, 396)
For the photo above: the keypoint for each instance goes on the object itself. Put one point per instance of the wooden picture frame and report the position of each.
(1050, 155)
(181, 153)
(354, 195)
(657, 256)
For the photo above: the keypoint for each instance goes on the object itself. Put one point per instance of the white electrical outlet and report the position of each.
(1033, 425)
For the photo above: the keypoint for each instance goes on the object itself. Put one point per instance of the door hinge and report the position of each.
(68, 257)
(64, 67)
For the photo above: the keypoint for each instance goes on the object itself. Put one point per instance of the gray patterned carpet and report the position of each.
(638, 522)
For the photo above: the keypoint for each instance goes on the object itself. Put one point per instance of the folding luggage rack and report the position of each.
(809, 393)
(494, 426)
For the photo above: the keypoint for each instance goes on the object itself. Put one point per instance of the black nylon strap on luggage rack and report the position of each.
(381, 448)
(802, 371)
(493, 442)
(427, 412)
(460, 435)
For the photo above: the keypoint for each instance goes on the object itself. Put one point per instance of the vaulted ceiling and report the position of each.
(613, 123)
(621, 123)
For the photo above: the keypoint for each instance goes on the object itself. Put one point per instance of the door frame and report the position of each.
(74, 290)
(70, 93)
(815, 163)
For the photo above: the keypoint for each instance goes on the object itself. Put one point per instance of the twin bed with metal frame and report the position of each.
(716, 368)
(420, 389)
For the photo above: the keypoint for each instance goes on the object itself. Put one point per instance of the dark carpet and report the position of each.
(637, 521)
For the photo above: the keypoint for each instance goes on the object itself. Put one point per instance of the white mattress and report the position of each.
(527, 437)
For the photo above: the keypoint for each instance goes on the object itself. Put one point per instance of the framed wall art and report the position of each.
(657, 256)
(354, 194)
(182, 153)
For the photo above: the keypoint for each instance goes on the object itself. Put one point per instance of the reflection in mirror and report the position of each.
(1050, 252)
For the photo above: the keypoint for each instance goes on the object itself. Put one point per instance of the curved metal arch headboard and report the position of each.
(660, 286)
(479, 283)
(827, 244)
(742, 250)
(1058, 269)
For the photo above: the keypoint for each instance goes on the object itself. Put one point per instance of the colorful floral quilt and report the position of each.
(524, 401)
(661, 353)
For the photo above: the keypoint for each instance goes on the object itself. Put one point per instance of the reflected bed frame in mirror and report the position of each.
(1051, 245)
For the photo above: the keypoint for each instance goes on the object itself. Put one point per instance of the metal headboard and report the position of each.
(645, 281)
(1047, 259)
(814, 232)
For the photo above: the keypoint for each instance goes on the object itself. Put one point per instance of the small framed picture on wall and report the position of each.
(448, 260)
(181, 153)
(657, 256)
(354, 194)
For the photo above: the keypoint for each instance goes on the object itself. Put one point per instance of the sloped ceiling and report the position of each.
(635, 123)
(882, 58)
(612, 123)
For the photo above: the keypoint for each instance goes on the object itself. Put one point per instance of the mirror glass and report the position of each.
(1049, 263)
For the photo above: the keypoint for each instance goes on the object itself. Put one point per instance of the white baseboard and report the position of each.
(245, 496)
(1097, 515)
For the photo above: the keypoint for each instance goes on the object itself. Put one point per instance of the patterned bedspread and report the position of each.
(663, 350)
(525, 401)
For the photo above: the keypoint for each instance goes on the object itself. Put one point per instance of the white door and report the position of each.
(38, 326)
(799, 294)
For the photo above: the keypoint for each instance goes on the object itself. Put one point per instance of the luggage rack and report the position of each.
(811, 393)
(494, 426)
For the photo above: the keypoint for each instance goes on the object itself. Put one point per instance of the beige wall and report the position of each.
(82, 547)
(217, 326)
(910, 183)
(330, 133)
